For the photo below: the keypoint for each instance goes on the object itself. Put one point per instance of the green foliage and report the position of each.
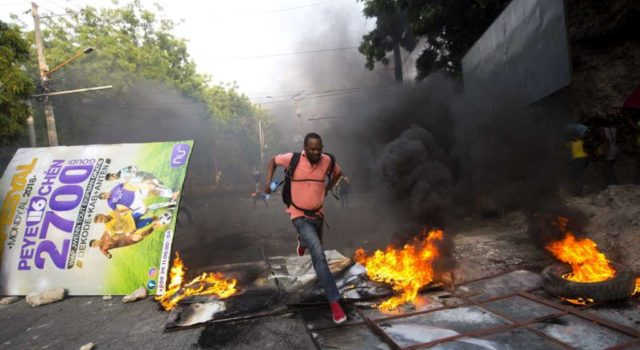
(130, 41)
(134, 44)
(15, 84)
(391, 31)
(449, 28)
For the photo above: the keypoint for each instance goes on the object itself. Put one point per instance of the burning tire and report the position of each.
(621, 286)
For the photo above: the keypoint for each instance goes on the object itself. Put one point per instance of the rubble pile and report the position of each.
(614, 222)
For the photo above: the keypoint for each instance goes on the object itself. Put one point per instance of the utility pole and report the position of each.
(397, 61)
(261, 140)
(44, 78)
(30, 127)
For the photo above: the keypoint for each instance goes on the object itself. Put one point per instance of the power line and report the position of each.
(54, 4)
(280, 54)
(323, 118)
(318, 92)
(272, 96)
(330, 93)
(65, 3)
(56, 15)
(274, 11)
(75, 3)
(262, 93)
(321, 94)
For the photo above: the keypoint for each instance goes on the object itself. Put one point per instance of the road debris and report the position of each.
(195, 313)
(9, 300)
(138, 294)
(87, 346)
(46, 297)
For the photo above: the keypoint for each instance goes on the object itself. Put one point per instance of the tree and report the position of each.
(157, 92)
(449, 28)
(391, 33)
(15, 85)
(131, 42)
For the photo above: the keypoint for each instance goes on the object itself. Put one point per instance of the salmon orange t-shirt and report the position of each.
(308, 183)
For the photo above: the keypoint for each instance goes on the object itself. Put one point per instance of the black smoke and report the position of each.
(413, 166)
(553, 221)
(442, 157)
(149, 111)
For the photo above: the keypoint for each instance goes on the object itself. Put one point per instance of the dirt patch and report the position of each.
(614, 222)
(489, 247)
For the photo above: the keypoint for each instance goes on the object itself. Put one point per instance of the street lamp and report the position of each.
(70, 59)
(45, 74)
(52, 135)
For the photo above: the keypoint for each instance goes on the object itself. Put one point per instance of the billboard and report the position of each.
(523, 55)
(95, 219)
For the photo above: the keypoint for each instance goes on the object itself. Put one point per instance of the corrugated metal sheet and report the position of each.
(524, 55)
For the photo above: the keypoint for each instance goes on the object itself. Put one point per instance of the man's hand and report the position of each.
(270, 170)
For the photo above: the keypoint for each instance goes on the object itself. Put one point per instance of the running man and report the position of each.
(308, 189)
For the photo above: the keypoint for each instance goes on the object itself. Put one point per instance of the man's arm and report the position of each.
(271, 168)
(334, 179)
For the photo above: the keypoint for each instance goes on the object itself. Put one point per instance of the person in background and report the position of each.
(634, 122)
(609, 150)
(344, 188)
(579, 158)
(257, 176)
(258, 194)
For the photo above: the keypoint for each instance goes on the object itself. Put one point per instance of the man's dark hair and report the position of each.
(311, 135)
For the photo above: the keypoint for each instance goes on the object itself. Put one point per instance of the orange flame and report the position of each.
(407, 269)
(637, 286)
(212, 283)
(579, 301)
(588, 264)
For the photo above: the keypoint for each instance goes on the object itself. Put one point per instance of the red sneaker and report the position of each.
(337, 313)
(300, 250)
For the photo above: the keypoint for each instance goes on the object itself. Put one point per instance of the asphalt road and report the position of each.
(224, 230)
(76, 321)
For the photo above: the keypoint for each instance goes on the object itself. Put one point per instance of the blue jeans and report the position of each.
(310, 234)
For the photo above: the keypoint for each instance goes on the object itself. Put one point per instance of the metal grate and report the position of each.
(510, 316)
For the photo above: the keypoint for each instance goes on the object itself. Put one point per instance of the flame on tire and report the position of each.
(587, 263)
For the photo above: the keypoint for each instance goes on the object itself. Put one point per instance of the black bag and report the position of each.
(288, 176)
